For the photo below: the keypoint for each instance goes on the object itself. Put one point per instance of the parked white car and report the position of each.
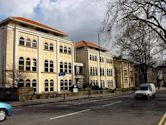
(146, 90)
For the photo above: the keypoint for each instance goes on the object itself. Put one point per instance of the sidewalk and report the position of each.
(68, 98)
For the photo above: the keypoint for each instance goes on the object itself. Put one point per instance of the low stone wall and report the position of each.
(25, 93)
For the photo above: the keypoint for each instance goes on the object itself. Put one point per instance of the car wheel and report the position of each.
(3, 114)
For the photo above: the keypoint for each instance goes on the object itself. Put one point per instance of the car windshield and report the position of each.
(144, 88)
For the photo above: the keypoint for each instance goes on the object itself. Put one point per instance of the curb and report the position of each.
(162, 120)
(69, 99)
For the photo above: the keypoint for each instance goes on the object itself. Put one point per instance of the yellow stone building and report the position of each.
(98, 64)
(33, 54)
(124, 73)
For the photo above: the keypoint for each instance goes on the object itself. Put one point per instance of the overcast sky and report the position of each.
(80, 19)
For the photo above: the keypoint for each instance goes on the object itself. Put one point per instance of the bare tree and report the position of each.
(140, 47)
(152, 13)
(13, 77)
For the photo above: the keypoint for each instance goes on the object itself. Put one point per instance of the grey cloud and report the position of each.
(81, 19)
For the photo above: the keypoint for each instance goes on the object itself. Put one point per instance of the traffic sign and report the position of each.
(61, 73)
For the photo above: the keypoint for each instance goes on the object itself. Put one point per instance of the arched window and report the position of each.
(69, 50)
(46, 85)
(66, 85)
(61, 85)
(90, 57)
(65, 67)
(61, 66)
(51, 85)
(51, 47)
(100, 71)
(70, 83)
(34, 85)
(46, 46)
(21, 63)
(28, 64)
(21, 83)
(96, 71)
(46, 66)
(69, 67)
(111, 72)
(93, 72)
(34, 65)
(61, 49)
(21, 41)
(34, 43)
(51, 66)
(95, 58)
(65, 49)
(28, 83)
(28, 42)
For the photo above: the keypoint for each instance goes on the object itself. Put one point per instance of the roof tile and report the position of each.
(38, 24)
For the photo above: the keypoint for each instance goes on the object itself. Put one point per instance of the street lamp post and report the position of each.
(98, 37)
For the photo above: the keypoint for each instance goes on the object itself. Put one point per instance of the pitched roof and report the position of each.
(34, 23)
(83, 43)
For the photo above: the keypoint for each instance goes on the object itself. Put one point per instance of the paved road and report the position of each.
(123, 110)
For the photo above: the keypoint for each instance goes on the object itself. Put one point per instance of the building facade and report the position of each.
(98, 64)
(79, 74)
(33, 54)
(124, 73)
(162, 75)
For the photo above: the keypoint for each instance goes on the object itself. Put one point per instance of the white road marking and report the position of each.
(70, 114)
(161, 122)
(100, 100)
(74, 113)
(111, 104)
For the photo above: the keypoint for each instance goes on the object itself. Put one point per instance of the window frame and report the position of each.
(28, 64)
(69, 50)
(21, 66)
(34, 65)
(28, 42)
(51, 66)
(51, 47)
(61, 67)
(61, 85)
(46, 46)
(46, 66)
(21, 80)
(65, 49)
(65, 67)
(34, 86)
(51, 85)
(61, 49)
(66, 85)
(34, 43)
(27, 83)
(70, 68)
(22, 40)
(46, 86)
